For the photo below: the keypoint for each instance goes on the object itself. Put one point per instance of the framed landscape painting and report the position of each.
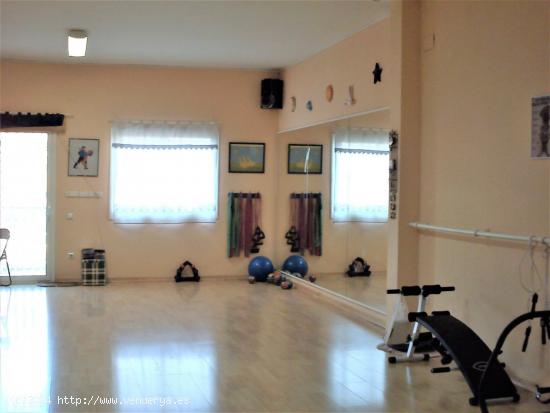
(246, 157)
(305, 159)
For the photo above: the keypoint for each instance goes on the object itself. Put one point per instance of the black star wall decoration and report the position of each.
(377, 72)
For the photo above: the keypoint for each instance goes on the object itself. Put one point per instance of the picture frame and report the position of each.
(83, 159)
(247, 157)
(297, 158)
(540, 127)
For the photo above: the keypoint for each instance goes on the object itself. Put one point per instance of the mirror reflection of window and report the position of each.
(360, 175)
(353, 220)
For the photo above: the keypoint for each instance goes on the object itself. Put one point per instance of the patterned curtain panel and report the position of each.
(305, 223)
(244, 230)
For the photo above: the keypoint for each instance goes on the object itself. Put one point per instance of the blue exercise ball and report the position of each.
(260, 267)
(296, 263)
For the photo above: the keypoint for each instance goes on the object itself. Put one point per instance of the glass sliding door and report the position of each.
(24, 202)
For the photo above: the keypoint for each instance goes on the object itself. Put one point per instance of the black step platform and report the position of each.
(470, 354)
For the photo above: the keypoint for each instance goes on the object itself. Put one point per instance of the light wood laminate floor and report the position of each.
(369, 290)
(214, 346)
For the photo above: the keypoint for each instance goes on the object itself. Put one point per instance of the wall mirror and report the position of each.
(340, 214)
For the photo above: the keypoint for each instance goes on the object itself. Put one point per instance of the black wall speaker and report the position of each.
(272, 94)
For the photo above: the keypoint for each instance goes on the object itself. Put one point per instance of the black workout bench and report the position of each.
(459, 343)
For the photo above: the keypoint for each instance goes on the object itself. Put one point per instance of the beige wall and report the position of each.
(94, 95)
(405, 110)
(489, 59)
(349, 62)
(342, 242)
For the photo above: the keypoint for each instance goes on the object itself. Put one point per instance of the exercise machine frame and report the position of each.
(423, 293)
(543, 315)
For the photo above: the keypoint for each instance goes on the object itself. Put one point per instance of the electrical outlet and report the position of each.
(70, 255)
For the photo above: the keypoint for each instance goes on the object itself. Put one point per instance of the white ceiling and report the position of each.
(243, 34)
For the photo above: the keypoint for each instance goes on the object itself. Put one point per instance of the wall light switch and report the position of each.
(69, 216)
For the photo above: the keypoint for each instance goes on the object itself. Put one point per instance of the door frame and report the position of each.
(50, 216)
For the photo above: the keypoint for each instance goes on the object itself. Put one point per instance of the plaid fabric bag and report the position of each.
(93, 272)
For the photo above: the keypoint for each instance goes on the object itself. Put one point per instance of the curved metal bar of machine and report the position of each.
(500, 342)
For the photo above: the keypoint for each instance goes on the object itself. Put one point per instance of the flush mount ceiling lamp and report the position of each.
(77, 42)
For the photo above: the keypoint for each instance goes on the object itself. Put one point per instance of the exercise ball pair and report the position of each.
(260, 267)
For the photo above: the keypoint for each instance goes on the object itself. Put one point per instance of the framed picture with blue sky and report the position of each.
(246, 157)
(305, 159)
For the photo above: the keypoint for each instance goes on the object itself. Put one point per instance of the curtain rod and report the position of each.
(295, 195)
(484, 234)
(66, 115)
(244, 194)
(198, 122)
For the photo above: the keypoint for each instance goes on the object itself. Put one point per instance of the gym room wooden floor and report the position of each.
(218, 345)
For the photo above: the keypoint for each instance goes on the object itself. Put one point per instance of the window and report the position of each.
(164, 172)
(24, 194)
(360, 163)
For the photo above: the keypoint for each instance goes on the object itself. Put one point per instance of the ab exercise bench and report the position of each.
(456, 342)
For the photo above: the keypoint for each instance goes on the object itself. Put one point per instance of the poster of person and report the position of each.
(540, 127)
(83, 157)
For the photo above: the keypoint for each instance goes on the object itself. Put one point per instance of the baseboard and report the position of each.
(134, 280)
(123, 280)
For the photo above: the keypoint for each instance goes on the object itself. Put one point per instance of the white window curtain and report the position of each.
(360, 174)
(164, 172)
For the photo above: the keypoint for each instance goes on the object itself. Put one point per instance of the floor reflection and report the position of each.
(159, 375)
(356, 377)
(368, 290)
(24, 350)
